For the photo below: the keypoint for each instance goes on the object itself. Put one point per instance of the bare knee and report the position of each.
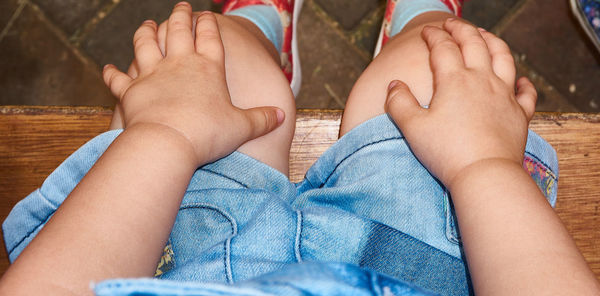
(404, 58)
(254, 78)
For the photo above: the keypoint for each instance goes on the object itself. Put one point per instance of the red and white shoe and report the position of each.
(384, 35)
(288, 10)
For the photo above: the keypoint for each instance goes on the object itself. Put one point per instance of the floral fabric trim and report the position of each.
(167, 261)
(542, 175)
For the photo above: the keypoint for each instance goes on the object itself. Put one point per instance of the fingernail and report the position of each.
(392, 84)
(106, 66)
(280, 115)
(481, 30)
(451, 19)
(205, 12)
(182, 3)
(149, 22)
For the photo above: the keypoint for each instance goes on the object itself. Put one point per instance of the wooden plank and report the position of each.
(36, 139)
(576, 138)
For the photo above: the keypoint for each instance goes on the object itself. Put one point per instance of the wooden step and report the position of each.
(35, 140)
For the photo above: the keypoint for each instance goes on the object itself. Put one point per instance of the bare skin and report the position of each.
(514, 242)
(178, 116)
(404, 57)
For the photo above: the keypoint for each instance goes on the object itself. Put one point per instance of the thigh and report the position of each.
(405, 57)
(255, 79)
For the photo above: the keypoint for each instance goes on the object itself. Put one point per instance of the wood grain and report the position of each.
(35, 140)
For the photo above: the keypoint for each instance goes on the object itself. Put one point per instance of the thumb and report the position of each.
(262, 120)
(526, 96)
(401, 104)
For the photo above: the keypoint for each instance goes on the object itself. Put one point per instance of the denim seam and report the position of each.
(34, 229)
(226, 177)
(298, 235)
(542, 163)
(427, 245)
(354, 152)
(227, 261)
(227, 244)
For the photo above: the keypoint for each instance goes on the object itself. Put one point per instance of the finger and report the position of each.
(503, 62)
(117, 81)
(401, 104)
(262, 120)
(445, 56)
(145, 44)
(208, 37)
(474, 50)
(162, 37)
(133, 70)
(526, 96)
(179, 31)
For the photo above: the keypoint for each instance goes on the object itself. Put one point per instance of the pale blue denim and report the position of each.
(291, 280)
(366, 202)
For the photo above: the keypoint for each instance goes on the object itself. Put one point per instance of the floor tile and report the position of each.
(549, 99)
(547, 37)
(365, 35)
(486, 13)
(38, 68)
(348, 13)
(70, 15)
(330, 65)
(110, 42)
(7, 9)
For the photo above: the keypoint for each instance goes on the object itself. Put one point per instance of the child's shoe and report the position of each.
(587, 13)
(288, 12)
(384, 35)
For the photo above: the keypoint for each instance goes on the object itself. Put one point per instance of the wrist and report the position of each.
(164, 139)
(484, 168)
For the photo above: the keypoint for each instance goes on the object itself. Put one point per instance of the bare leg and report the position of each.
(405, 57)
(255, 79)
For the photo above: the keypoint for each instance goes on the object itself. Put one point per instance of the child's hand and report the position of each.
(186, 89)
(474, 115)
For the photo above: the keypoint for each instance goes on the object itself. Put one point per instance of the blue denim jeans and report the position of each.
(367, 202)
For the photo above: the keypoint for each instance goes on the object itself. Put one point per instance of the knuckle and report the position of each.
(252, 126)
(444, 45)
(474, 42)
(497, 41)
(142, 40)
(268, 118)
(207, 33)
(466, 28)
(178, 24)
(138, 45)
(138, 36)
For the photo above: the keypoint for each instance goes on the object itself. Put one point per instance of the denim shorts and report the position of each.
(366, 202)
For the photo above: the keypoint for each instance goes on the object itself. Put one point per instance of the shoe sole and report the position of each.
(296, 70)
(379, 43)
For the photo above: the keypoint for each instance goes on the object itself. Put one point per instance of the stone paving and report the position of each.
(51, 50)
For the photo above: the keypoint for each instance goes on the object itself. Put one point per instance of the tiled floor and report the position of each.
(51, 50)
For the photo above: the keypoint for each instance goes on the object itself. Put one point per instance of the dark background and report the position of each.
(51, 51)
